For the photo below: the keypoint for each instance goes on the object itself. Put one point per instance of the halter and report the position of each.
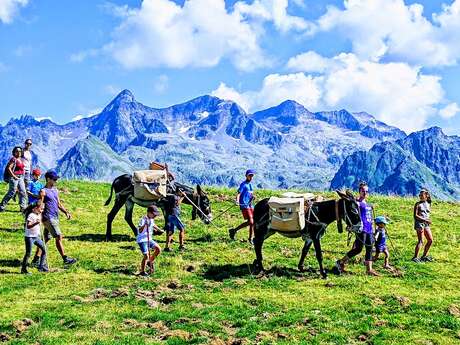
(319, 223)
(356, 228)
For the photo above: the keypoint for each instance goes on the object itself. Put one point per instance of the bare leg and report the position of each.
(181, 238)
(429, 240)
(144, 260)
(419, 243)
(60, 246)
(387, 259)
(376, 256)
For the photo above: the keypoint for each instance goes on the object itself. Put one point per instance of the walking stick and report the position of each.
(148, 247)
(193, 204)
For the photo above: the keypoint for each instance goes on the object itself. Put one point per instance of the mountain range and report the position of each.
(213, 141)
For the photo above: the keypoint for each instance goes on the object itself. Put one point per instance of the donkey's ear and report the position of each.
(341, 194)
(198, 189)
(349, 193)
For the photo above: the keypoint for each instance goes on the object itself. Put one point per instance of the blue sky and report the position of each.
(395, 59)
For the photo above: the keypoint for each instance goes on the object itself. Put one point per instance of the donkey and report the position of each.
(124, 195)
(317, 218)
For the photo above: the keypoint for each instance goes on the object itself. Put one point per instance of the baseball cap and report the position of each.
(153, 209)
(36, 171)
(381, 220)
(250, 172)
(51, 174)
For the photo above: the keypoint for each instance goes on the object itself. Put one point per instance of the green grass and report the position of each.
(219, 301)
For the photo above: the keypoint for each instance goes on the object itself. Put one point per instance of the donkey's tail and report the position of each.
(110, 196)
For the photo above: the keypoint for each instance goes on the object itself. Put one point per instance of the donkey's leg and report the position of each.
(129, 216)
(119, 202)
(319, 257)
(305, 249)
(259, 239)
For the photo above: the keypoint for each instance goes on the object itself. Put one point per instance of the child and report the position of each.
(32, 236)
(34, 186)
(422, 224)
(174, 220)
(380, 241)
(145, 239)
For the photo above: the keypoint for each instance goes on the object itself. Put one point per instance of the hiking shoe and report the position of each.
(69, 261)
(25, 271)
(232, 233)
(416, 260)
(143, 274)
(181, 248)
(426, 259)
(43, 269)
(2, 209)
(167, 249)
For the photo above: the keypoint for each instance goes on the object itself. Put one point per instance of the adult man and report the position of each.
(27, 160)
(50, 198)
(244, 199)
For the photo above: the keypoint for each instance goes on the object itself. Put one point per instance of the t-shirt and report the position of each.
(142, 236)
(245, 190)
(18, 166)
(34, 187)
(423, 210)
(35, 230)
(51, 204)
(27, 160)
(366, 216)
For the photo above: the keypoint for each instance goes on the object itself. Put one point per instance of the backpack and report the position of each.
(150, 184)
(6, 173)
(286, 214)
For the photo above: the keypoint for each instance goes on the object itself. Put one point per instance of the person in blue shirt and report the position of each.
(244, 199)
(34, 186)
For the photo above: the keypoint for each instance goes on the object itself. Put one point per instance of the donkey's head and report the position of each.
(201, 199)
(349, 210)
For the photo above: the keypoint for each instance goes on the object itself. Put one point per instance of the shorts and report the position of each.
(145, 248)
(173, 223)
(247, 213)
(381, 244)
(420, 226)
(52, 228)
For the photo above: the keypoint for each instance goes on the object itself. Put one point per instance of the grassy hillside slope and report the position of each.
(207, 293)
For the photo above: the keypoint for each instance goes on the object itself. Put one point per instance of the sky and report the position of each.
(397, 60)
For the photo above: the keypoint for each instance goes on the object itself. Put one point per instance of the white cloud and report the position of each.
(200, 33)
(275, 11)
(10, 8)
(83, 55)
(309, 62)
(396, 93)
(449, 110)
(161, 84)
(400, 32)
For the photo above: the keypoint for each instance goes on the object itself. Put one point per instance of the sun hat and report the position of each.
(250, 172)
(36, 172)
(51, 174)
(381, 220)
(154, 210)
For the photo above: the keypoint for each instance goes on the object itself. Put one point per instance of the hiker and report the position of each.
(380, 241)
(174, 221)
(364, 238)
(244, 199)
(14, 175)
(27, 160)
(35, 186)
(422, 225)
(145, 239)
(33, 236)
(49, 195)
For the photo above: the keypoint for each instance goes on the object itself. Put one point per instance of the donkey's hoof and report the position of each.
(301, 269)
(324, 275)
(257, 267)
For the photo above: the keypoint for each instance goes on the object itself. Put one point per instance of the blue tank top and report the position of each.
(51, 204)
(366, 216)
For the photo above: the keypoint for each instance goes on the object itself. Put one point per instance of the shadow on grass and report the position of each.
(99, 238)
(11, 229)
(203, 239)
(10, 263)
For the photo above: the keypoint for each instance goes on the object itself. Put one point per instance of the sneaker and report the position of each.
(2, 209)
(167, 249)
(69, 261)
(232, 233)
(426, 259)
(43, 269)
(181, 248)
(143, 274)
(25, 271)
(416, 260)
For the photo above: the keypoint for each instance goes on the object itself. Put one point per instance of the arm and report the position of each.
(31, 224)
(10, 169)
(417, 215)
(145, 226)
(237, 200)
(63, 209)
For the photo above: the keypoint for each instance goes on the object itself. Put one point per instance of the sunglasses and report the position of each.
(28, 143)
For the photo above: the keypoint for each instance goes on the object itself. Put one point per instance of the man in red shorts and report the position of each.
(244, 199)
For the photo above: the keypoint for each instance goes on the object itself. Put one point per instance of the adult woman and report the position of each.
(15, 169)
(366, 237)
(422, 225)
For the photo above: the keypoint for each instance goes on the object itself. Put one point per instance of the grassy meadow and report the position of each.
(207, 294)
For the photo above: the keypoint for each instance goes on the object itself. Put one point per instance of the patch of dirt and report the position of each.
(190, 268)
(236, 341)
(229, 328)
(173, 285)
(239, 282)
(404, 301)
(263, 336)
(329, 284)
(454, 310)
(22, 325)
(216, 341)
(363, 337)
(378, 301)
(4, 337)
(176, 333)
(120, 292)
(380, 323)
(198, 305)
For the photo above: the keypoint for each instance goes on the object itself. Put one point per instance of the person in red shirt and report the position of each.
(15, 170)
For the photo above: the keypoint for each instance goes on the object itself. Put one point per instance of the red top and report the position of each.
(19, 168)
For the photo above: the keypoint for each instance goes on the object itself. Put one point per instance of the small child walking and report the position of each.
(32, 236)
(145, 239)
(174, 221)
(422, 225)
(381, 241)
